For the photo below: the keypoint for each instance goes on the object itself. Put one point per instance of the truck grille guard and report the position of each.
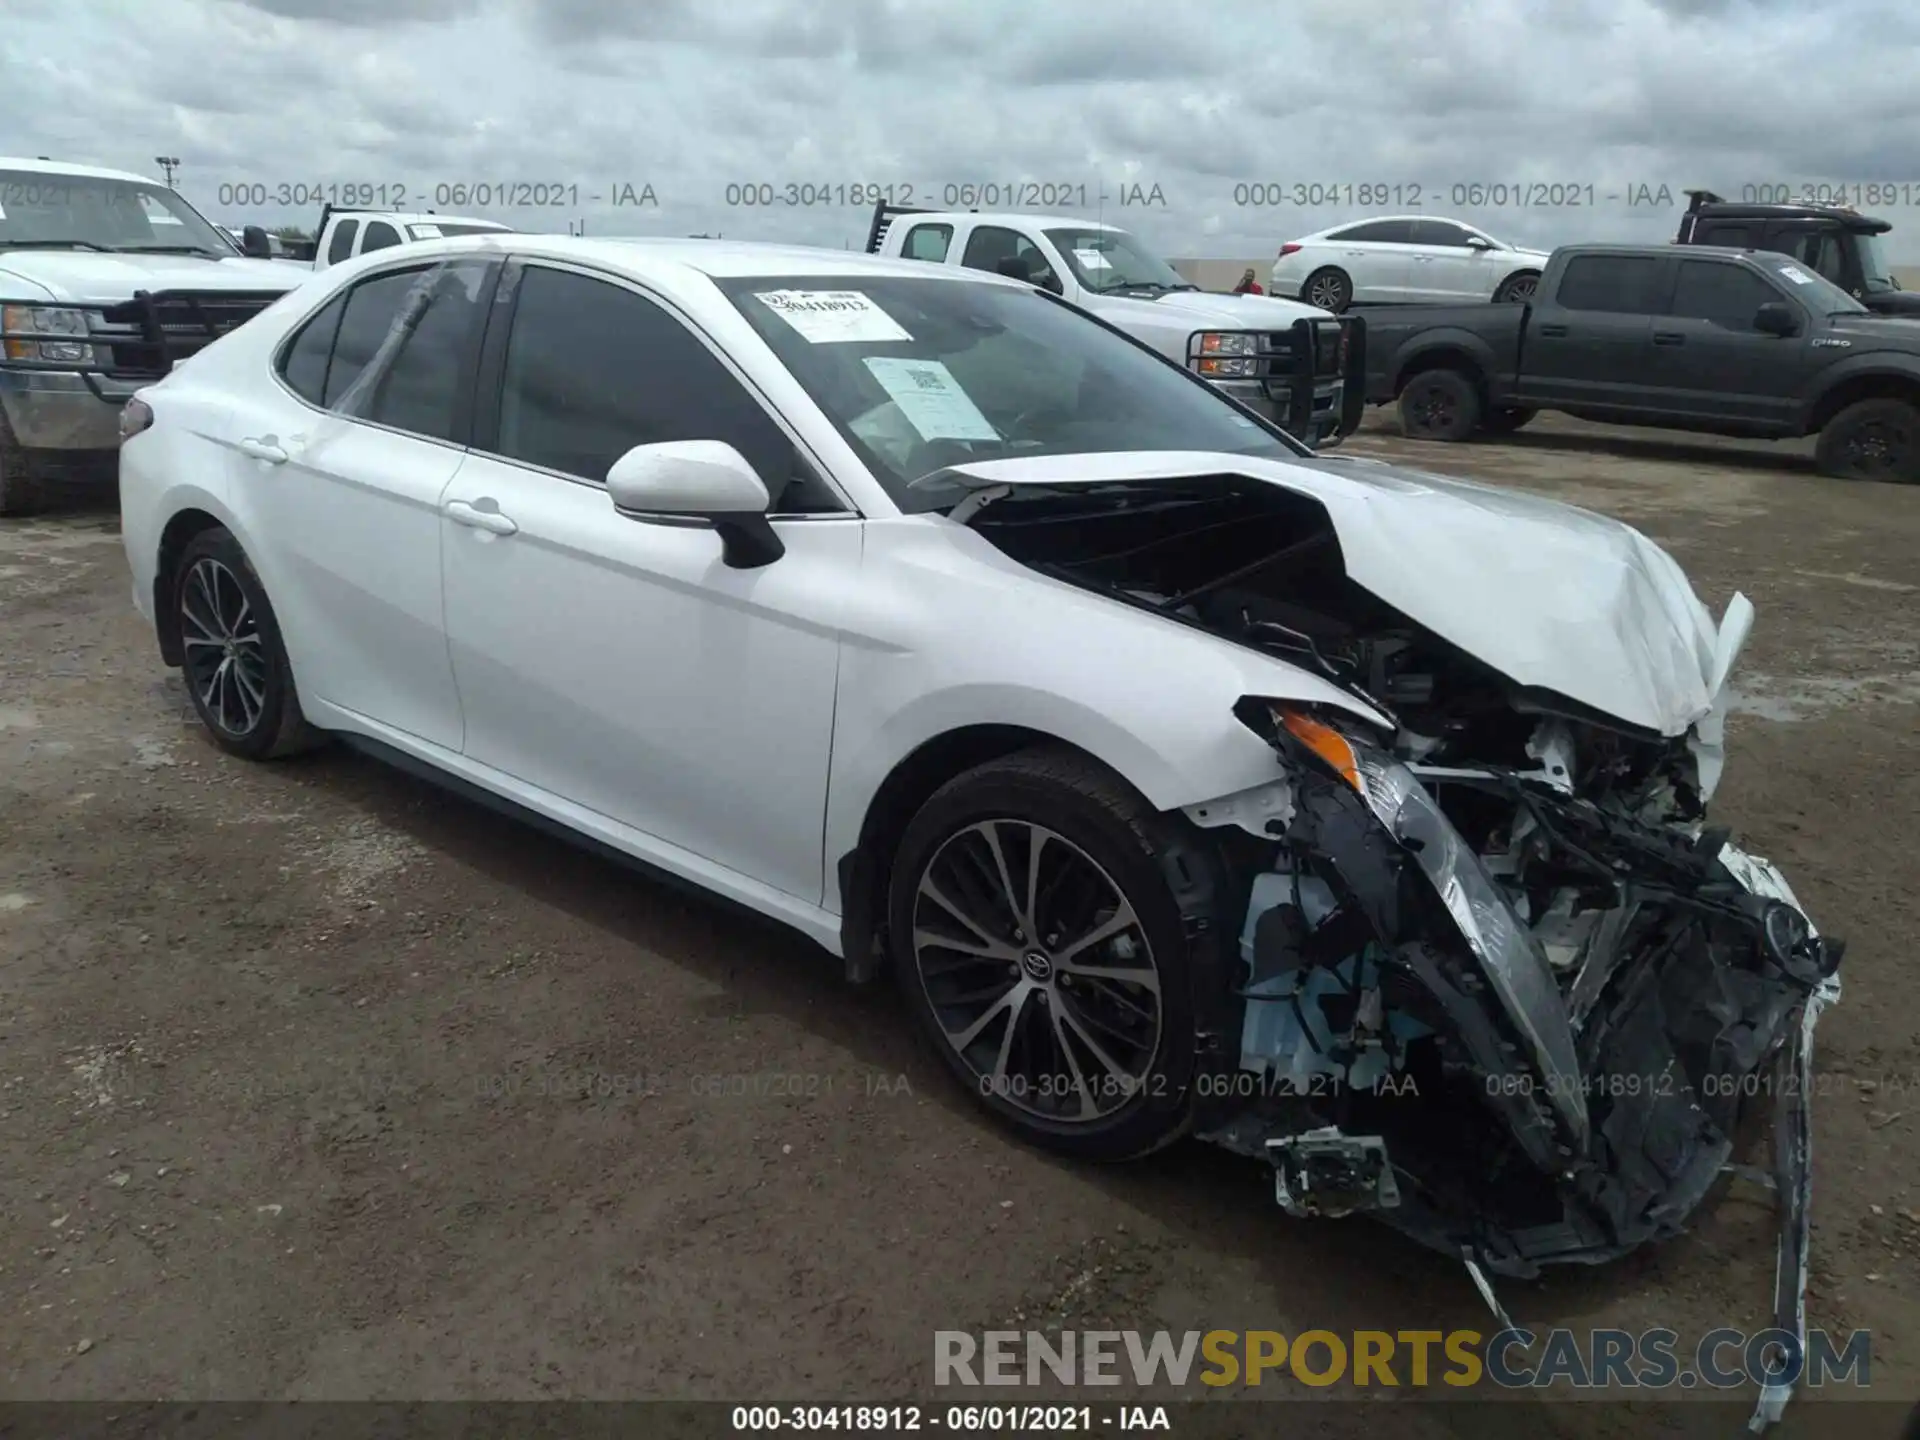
(142, 339)
(1294, 364)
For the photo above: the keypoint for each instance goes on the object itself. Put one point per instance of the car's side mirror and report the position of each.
(1476, 242)
(254, 243)
(1776, 318)
(704, 480)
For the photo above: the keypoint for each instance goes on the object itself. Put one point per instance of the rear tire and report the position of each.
(1506, 419)
(1872, 440)
(236, 668)
(1087, 952)
(1517, 289)
(20, 493)
(1439, 405)
(1329, 288)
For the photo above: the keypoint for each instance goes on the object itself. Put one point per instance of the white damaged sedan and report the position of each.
(1185, 781)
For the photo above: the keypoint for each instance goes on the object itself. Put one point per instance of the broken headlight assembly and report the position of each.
(1514, 962)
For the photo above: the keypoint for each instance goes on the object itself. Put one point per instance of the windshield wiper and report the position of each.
(56, 244)
(173, 250)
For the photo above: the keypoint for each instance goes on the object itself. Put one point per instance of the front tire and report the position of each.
(1037, 939)
(1328, 289)
(1439, 405)
(234, 662)
(1872, 440)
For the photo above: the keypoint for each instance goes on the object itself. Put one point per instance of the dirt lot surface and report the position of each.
(318, 1083)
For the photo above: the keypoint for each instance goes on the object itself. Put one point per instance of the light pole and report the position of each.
(167, 163)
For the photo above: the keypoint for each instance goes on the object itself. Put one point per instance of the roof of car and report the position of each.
(717, 259)
(79, 172)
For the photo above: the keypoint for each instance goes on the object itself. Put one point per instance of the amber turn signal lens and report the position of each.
(1329, 744)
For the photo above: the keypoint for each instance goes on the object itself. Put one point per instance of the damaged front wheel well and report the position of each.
(865, 871)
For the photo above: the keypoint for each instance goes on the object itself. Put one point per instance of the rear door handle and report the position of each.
(1553, 331)
(461, 513)
(266, 447)
(1668, 337)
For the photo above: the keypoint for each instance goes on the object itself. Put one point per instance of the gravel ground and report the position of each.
(318, 1083)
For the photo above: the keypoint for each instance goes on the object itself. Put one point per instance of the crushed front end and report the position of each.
(1518, 1013)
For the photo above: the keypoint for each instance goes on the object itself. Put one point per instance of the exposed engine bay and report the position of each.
(1499, 985)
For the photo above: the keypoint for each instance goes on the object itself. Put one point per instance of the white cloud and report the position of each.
(1093, 96)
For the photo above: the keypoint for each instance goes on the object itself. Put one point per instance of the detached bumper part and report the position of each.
(1325, 1174)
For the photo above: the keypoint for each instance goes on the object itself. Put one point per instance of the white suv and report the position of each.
(1402, 259)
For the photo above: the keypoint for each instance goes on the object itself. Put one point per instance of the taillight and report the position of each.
(135, 416)
(1286, 250)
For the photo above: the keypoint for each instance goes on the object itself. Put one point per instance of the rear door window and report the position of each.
(1612, 284)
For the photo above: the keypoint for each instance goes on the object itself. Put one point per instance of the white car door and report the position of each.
(1447, 269)
(620, 664)
(339, 470)
(1377, 257)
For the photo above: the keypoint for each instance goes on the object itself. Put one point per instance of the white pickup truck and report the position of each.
(343, 234)
(1300, 367)
(107, 280)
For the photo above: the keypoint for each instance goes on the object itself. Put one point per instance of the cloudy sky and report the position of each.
(1213, 127)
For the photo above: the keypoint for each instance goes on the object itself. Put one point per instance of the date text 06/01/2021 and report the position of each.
(952, 195)
(953, 1419)
(460, 194)
(1459, 195)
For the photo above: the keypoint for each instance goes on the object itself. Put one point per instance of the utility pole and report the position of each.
(168, 163)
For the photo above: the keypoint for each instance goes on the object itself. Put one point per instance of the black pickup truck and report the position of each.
(1726, 342)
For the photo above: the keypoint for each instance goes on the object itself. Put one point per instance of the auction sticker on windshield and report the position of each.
(827, 317)
(1092, 259)
(1798, 277)
(931, 399)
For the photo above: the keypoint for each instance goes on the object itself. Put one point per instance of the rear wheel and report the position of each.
(1439, 405)
(235, 666)
(1037, 940)
(1517, 289)
(1328, 289)
(1872, 440)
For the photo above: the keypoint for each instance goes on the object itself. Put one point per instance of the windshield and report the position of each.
(90, 213)
(1874, 270)
(1813, 289)
(1114, 260)
(922, 374)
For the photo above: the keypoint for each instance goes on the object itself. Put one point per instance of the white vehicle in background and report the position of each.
(343, 235)
(1289, 362)
(107, 280)
(1403, 260)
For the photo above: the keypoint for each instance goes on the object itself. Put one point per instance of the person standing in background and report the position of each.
(1248, 285)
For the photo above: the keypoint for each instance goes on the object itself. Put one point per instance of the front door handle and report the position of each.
(266, 447)
(1668, 337)
(461, 513)
(1554, 331)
